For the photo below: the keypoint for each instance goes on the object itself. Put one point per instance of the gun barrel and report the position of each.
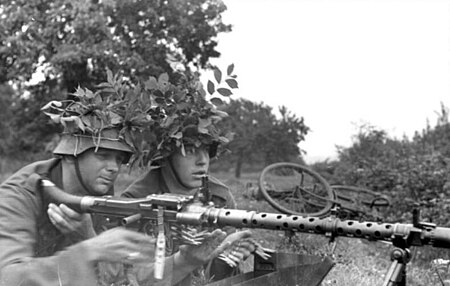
(329, 226)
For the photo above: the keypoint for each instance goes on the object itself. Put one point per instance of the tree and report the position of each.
(6, 93)
(261, 138)
(71, 43)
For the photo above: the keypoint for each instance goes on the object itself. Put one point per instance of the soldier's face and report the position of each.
(99, 169)
(192, 167)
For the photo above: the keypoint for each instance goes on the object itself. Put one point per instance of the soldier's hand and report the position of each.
(121, 245)
(242, 249)
(213, 245)
(71, 223)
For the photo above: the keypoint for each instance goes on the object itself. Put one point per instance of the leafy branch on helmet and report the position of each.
(154, 117)
(190, 118)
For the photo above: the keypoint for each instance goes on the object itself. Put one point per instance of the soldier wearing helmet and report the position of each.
(187, 137)
(47, 244)
(73, 147)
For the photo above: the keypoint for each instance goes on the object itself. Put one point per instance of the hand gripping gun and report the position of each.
(190, 211)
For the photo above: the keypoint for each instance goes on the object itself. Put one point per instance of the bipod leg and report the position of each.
(396, 275)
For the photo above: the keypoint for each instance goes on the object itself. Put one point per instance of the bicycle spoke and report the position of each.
(295, 189)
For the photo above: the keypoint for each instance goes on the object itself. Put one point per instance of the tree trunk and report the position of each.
(240, 160)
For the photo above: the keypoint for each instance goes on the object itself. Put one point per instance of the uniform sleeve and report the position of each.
(140, 188)
(19, 210)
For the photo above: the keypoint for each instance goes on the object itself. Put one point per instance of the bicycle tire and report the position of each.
(326, 189)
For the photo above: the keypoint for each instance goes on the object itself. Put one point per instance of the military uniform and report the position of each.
(34, 252)
(162, 180)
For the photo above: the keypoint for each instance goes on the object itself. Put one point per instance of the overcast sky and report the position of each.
(342, 63)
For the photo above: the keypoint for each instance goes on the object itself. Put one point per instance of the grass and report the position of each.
(358, 261)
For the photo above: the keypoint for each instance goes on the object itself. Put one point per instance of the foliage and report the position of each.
(412, 172)
(78, 40)
(71, 43)
(260, 137)
(25, 130)
(186, 115)
(154, 117)
(115, 105)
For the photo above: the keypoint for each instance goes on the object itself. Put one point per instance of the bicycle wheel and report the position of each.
(295, 189)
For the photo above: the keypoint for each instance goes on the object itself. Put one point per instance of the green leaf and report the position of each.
(220, 113)
(177, 135)
(158, 93)
(151, 83)
(211, 87)
(232, 83)
(104, 85)
(109, 76)
(224, 91)
(89, 93)
(54, 117)
(230, 69)
(202, 92)
(160, 100)
(163, 79)
(115, 118)
(168, 120)
(202, 130)
(224, 139)
(97, 98)
(217, 75)
(79, 92)
(179, 96)
(202, 123)
(51, 104)
(182, 105)
(79, 123)
(216, 101)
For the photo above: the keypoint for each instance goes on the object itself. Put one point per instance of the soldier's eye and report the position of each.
(189, 150)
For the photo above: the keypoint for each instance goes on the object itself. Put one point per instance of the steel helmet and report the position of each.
(76, 144)
(113, 117)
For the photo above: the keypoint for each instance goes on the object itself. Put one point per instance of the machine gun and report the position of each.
(196, 211)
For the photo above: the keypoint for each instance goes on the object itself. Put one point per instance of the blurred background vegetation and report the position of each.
(49, 48)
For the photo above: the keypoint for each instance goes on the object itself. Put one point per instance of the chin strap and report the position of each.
(177, 178)
(80, 178)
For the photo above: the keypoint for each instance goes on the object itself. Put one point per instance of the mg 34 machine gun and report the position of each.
(186, 210)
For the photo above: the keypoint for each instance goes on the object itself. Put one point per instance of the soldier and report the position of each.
(46, 244)
(183, 144)
(182, 174)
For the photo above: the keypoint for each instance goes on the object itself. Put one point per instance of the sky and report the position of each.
(341, 64)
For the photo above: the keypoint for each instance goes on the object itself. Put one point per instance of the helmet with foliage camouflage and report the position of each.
(152, 120)
(106, 119)
(184, 116)
(74, 144)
